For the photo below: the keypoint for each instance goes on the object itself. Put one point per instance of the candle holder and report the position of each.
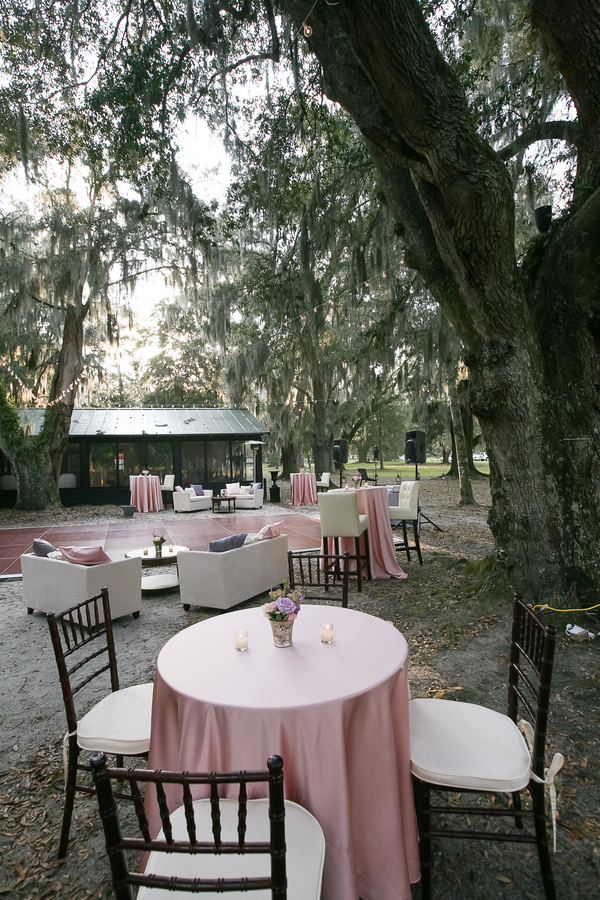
(240, 638)
(170, 548)
(326, 632)
(145, 551)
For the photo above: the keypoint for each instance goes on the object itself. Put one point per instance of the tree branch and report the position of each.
(543, 131)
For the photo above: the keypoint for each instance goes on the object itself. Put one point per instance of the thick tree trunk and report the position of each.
(452, 197)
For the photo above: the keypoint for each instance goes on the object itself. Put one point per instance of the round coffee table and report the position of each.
(150, 558)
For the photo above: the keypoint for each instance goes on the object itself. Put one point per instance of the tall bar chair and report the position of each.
(340, 518)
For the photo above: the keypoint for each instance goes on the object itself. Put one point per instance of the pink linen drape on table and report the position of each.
(337, 714)
(146, 494)
(373, 502)
(304, 489)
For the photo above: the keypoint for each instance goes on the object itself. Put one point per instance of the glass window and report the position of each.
(103, 465)
(238, 462)
(131, 460)
(217, 461)
(159, 459)
(71, 462)
(193, 467)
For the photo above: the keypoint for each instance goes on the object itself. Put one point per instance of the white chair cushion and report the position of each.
(119, 723)
(462, 745)
(304, 857)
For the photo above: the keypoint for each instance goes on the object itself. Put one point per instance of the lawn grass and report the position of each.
(407, 470)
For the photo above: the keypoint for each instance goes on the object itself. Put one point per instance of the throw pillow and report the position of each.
(270, 531)
(85, 556)
(179, 489)
(198, 490)
(229, 543)
(42, 548)
(245, 489)
(191, 491)
(256, 487)
(56, 554)
(233, 489)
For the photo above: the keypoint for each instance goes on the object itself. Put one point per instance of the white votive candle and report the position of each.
(145, 551)
(241, 639)
(170, 548)
(326, 633)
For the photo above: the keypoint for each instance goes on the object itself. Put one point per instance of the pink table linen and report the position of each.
(304, 489)
(373, 502)
(338, 715)
(146, 494)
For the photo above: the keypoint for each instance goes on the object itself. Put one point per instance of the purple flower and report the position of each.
(287, 605)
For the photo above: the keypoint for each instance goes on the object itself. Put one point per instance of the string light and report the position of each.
(307, 30)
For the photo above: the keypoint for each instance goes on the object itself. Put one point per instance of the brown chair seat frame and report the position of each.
(310, 572)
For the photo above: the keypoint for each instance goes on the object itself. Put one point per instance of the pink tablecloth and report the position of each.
(337, 714)
(146, 495)
(304, 489)
(373, 502)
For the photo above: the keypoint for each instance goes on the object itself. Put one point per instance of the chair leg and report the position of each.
(423, 808)
(516, 798)
(415, 526)
(358, 562)
(539, 818)
(406, 548)
(368, 554)
(71, 787)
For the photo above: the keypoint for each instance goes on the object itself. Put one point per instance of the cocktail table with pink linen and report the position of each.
(337, 714)
(146, 494)
(304, 489)
(373, 502)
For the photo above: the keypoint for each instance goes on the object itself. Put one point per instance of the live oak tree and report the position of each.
(531, 335)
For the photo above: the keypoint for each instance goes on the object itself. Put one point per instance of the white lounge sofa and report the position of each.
(183, 501)
(250, 500)
(54, 585)
(222, 580)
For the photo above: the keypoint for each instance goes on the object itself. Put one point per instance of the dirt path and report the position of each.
(458, 648)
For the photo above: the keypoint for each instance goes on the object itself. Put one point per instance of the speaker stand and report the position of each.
(427, 519)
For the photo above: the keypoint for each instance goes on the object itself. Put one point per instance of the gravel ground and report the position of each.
(458, 636)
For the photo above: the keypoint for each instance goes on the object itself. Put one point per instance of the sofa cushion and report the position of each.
(42, 548)
(85, 556)
(198, 490)
(256, 487)
(244, 490)
(270, 531)
(233, 489)
(229, 543)
(179, 489)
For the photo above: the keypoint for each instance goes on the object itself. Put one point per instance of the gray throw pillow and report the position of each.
(198, 490)
(42, 548)
(256, 487)
(229, 543)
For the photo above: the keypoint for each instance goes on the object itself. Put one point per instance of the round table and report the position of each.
(146, 493)
(167, 558)
(337, 713)
(304, 489)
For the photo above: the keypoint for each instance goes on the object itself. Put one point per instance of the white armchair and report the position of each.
(249, 501)
(54, 585)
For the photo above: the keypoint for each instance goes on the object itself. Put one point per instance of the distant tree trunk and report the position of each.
(289, 456)
(466, 489)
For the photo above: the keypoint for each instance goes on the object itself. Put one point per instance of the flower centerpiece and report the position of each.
(145, 472)
(281, 613)
(357, 480)
(158, 540)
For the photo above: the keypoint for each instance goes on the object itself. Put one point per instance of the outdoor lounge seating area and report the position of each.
(215, 705)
